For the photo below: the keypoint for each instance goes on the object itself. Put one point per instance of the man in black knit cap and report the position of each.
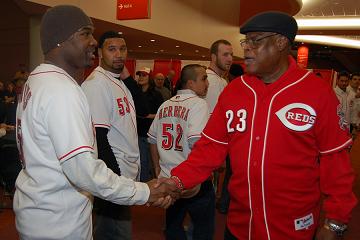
(56, 140)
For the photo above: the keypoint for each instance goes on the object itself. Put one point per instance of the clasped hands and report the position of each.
(163, 192)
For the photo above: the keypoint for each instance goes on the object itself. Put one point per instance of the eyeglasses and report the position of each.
(254, 43)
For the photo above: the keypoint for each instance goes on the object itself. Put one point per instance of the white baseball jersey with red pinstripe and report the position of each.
(178, 120)
(112, 107)
(53, 125)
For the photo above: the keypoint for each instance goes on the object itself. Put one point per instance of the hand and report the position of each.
(325, 234)
(124, 73)
(163, 192)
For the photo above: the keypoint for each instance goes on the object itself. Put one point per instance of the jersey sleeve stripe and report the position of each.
(194, 136)
(75, 150)
(102, 125)
(225, 143)
(347, 143)
(151, 136)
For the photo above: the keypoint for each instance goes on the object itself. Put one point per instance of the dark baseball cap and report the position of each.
(272, 21)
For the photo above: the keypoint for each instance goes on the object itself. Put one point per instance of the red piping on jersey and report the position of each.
(133, 108)
(265, 142)
(75, 151)
(33, 74)
(116, 85)
(348, 142)
(182, 99)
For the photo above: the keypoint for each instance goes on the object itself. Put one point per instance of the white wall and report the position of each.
(36, 56)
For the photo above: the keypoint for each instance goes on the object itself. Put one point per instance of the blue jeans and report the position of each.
(201, 209)
(145, 160)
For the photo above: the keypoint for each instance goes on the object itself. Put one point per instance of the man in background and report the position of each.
(159, 80)
(176, 128)
(114, 117)
(221, 54)
(342, 95)
(353, 91)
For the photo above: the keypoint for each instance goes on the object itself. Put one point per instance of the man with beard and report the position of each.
(113, 112)
(56, 139)
(221, 59)
(280, 126)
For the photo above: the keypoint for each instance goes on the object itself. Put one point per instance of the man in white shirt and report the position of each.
(221, 59)
(177, 126)
(354, 99)
(114, 117)
(56, 140)
(342, 95)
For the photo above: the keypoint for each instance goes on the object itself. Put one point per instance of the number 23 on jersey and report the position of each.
(236, 120)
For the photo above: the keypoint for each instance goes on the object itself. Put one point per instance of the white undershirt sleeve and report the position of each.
(92, 175)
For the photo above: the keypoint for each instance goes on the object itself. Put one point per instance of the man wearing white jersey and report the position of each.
(56, 140)
(113, 113)
(176, 127)
(342, 95)
(354, 99)
(221, 59)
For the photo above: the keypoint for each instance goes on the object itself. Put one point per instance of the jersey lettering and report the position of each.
(174, 111)
(297, 116)
(168, 139)
(123, 109)
(241, 114)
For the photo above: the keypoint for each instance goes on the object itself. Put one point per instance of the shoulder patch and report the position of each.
(297, 116)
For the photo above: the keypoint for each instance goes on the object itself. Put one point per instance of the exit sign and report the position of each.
(133, 9)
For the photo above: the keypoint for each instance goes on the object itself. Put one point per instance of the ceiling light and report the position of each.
(161, 50)
(177, 46)
(196, 50)
(139, 46)
(179, 54)
(120, 33)
(155, 52)
(329, 40)
(203, 56)
(328, 23)
(152, 40)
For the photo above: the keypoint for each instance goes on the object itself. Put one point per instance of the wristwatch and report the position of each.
(338, 228)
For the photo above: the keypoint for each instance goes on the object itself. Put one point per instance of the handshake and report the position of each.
(165, 191)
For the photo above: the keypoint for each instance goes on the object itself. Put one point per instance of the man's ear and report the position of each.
(282, 43)
(213, 57)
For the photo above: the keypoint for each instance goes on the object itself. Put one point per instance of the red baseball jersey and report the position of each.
(284, 140)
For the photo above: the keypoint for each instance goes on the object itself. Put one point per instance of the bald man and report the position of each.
(159, 80)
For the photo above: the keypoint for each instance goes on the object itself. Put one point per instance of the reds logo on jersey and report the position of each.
(297, 116)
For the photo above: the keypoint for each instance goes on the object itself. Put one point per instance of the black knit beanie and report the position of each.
(59, 23)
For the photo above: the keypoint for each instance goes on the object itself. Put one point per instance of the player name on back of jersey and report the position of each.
(174, 111)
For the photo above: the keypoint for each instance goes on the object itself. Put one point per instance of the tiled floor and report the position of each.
(148, 222)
